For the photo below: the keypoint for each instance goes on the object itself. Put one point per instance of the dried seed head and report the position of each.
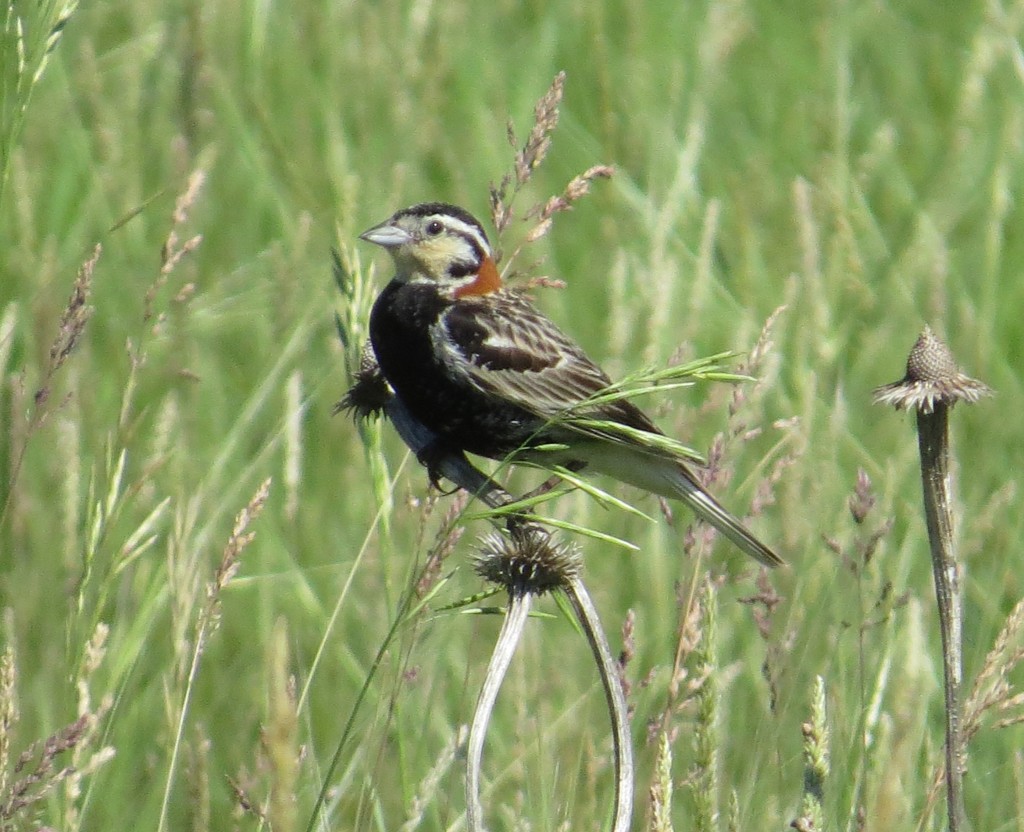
(545, 119)
(370, 391)
(76, 313)
(930, 359)
(863, 498)
(932, 378)
(527, 561)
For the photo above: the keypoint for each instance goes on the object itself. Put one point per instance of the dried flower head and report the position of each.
(528, 561)
(370, 391)
(932, 378)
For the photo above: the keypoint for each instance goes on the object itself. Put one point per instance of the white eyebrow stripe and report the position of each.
(466, 229)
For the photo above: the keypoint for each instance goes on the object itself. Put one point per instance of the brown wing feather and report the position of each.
(515, 352)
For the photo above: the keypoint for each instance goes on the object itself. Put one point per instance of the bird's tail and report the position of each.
(669, 477)
(686, 488)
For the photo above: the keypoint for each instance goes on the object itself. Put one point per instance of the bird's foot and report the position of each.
(430, 457)
(525, 531)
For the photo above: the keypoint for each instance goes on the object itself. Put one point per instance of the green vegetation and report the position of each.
(855, 163)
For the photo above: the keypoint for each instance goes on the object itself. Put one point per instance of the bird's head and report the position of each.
(439, 243)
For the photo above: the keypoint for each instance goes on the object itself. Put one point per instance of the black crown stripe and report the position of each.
(426, 209)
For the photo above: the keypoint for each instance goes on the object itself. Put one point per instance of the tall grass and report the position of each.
(854, 164)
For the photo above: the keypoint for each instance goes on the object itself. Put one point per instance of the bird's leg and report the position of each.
(523, 530)
(432, 456)
(518, 525)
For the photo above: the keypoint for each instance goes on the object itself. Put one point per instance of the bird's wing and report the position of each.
(511, 350)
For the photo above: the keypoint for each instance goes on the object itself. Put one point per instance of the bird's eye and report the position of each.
(434, 227)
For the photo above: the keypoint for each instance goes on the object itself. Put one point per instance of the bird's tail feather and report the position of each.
(709, 509)
(668, 477)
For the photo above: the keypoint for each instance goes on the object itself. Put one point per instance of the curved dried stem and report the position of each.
(618, 711)
(504, 649)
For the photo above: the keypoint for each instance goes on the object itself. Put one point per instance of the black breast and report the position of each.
(448, 404)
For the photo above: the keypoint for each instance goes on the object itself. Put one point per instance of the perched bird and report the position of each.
(480, 366)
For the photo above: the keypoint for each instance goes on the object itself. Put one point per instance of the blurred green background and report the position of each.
(857, 162)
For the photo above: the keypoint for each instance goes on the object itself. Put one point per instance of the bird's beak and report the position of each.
(387, 235)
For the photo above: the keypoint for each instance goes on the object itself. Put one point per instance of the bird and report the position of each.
(476, 362)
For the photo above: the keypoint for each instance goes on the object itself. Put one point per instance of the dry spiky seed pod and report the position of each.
(530, 560)
(370, 391)
(932, 379)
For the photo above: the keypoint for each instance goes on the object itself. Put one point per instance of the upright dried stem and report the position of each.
(931, 386)
(933, 443)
